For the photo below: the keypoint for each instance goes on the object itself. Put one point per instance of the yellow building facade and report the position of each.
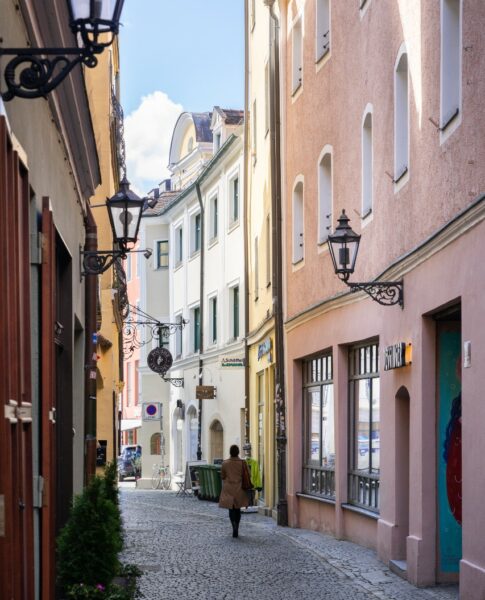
(261, 351)
(103, 90)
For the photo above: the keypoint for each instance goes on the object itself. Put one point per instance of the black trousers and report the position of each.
(235, 515)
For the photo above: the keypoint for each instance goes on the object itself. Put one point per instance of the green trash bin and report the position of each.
(217, 482)
(203, 483)
(210, 482)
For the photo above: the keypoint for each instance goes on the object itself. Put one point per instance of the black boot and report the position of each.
(235, 529)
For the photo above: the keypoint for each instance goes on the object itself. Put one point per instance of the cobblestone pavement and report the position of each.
(185, 548)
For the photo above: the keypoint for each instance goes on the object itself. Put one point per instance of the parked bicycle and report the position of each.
(161, 477)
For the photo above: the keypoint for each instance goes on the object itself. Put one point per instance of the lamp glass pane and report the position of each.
(93, 9)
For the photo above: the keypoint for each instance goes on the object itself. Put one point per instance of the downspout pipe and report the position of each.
(247, 414)
(201, 312)
(91, 283)
(277, 266)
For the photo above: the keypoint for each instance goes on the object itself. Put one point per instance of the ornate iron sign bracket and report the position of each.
(386, 293)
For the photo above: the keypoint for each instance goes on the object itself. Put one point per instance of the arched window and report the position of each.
(450, 61)
(367, 164)
(155, 444)
(298, 248)
(401, 118)
(297, 55)
(325, 197)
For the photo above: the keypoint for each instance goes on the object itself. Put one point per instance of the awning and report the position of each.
(130, 424)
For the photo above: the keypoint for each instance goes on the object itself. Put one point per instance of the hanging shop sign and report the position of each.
(151, 411)
(264, 348)
(205, 392)
(233, 362)
(397, 356)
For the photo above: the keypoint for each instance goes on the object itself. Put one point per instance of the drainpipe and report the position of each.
(277, 266)
(245, 224)
(90, 286)
(201, 310)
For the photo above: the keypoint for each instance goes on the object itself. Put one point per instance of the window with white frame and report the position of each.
(266, 98)
(234, 200)
(234, 298)
(298, 247)
(319, 427)
(367, 165)
(161, 254)
(254, 132)
(213, 320)
(195, 328)
(268, 250)
(364, 426)
(128, 267)
(214, 218)
(253, 14)
(401, 118)
(256, 268)
(322, 29)
(217, 141)
(297, 55)
(450, 61)
(325, 197)
(195, 232)
(178, 336)
(179, 245)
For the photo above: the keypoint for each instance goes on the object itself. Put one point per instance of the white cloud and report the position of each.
(148, 133)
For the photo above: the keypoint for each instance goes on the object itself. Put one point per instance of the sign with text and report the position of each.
(151, 411)
(397, 356)
(205, 392)
(233, 362)
(264, 348)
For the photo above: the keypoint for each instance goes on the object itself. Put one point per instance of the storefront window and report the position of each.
(364, 396)
(260, 383)
(319, 414)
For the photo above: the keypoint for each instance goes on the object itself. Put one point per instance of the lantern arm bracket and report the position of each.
(175, 381)
(95, 262)
(386, 293)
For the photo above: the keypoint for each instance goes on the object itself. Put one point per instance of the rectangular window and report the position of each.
(367, 160)
(254, 132)
(196, 328)
(268, 251)
(137, 363)
(297, 78)
(266, 97)
(235, 312)
(322, 41)
(179, 245)
(364, 426)
(128, 267)
(256, 269)
(234, 200)
(196, 222)
(161, 258)
(213, 319)
(450, 61)
(129, 384)
(319, 438)
(178, 337)
(214, 218)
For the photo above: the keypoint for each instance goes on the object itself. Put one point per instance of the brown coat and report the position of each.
(232, 494)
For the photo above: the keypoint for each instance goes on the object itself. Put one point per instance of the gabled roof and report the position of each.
(229, 115)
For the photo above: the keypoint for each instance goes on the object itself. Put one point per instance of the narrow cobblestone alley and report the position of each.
(185, 549)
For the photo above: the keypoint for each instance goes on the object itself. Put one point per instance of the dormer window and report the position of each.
(217, 141)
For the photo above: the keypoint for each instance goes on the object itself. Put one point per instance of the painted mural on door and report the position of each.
(449, 449)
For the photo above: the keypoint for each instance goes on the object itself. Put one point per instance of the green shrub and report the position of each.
(89, 544)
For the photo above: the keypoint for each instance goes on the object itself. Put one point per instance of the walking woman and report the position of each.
(232, 495)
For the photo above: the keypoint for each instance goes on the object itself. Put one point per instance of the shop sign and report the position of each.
(264, 348)
(233, 362)
(397, 356)
(151, 411)
(205, 392)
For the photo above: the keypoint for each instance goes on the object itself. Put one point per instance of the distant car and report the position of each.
(129, 462)
(363, 444)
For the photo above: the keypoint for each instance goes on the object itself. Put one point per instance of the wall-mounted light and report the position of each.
(34, 72)
(125, 209)
(344, 246)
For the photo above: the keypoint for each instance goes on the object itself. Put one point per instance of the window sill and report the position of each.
(212, 242)
(361, 511)
(309, 496)
(178, 266)
(319, 59)
(296, 91)
(194, 254)
(367, 213)
(232, 226)
(268, 285)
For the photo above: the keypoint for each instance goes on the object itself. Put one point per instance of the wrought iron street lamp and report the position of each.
(34, 72)
(344, 247)
(125, 209)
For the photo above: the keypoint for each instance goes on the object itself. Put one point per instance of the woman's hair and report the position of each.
(234, 450)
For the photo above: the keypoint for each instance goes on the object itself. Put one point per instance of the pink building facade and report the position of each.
(131, 407)
(383, 107)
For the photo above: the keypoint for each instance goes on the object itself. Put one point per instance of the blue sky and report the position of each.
(175, 55)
